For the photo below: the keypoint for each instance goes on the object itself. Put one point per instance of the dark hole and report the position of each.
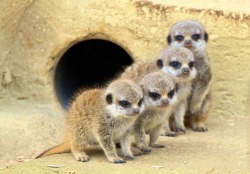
(90, 63)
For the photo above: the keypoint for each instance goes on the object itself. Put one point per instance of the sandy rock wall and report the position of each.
(34, 34)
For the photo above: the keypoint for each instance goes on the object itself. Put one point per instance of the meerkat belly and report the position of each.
(154, 119)
(121, 127)
(184, 91)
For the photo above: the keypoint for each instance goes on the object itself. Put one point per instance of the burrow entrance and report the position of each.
(89, 63)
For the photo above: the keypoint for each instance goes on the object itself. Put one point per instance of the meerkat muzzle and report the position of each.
(185, 71)
(136, 111)
(164, 103)
(188, 43)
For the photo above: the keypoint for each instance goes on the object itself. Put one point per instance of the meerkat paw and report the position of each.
(199, 127)
(145, 149)
(179, 129)
(81, 156)
(158, 146)
(129, 157)
(136, 151)
(169, 133)
(117, 160)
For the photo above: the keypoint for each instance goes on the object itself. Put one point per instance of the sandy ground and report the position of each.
(225, 148)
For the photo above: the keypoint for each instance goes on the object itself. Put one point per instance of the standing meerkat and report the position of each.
(102, 116)
(192, 35)
(180, 63)
(159, 97)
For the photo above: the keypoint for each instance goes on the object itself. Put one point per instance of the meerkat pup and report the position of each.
(192, 35)
(179, 62)
(159, 97)
(102, 116)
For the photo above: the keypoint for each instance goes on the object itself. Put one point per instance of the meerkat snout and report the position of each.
(185, 70)
(165, 102)
(188, 43)
(136, 110)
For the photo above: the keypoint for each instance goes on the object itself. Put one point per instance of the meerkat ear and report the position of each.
(206, 37)
(169, 40)
(109, 98)
(159, 63)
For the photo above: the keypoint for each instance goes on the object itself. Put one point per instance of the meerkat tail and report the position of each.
(61, 148)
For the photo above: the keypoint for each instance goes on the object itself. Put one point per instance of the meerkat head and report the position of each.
(188, 33)
(124, 97)
(179, 62)
(159, 89)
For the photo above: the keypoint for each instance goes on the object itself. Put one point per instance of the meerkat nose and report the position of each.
(165, 102)
(188, 43)
(136, 110)
(185, 70)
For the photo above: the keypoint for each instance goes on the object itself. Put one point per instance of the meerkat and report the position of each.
(180, 63)
(192, 35)
(104, 117)
(159, 97)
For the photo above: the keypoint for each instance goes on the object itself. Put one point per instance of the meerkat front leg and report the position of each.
(126, 145)
(153, 136)
(179, 113)
(198, 101)
(200, 90)
(140, 137)
(108, 146)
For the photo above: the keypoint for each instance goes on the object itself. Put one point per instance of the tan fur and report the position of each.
(184, 72)
(94, 118)
(200, 98)
(157, 111)
(139, 69)
(151, 121)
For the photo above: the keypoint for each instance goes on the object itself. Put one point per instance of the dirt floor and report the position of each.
(225, 148)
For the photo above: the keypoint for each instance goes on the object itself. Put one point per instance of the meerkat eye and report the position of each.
(196, 36)
(179, 38)
(191, 64)
(140, 102)
(171, 93)
(175, 64)
(124, 104)
(154, 95)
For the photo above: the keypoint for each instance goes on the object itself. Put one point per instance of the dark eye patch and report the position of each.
(179, 38)
(124, 104)
(140, 102)
(154, 95)
(191, 64)
(171, 93)
(175, 64)
(196, 36)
